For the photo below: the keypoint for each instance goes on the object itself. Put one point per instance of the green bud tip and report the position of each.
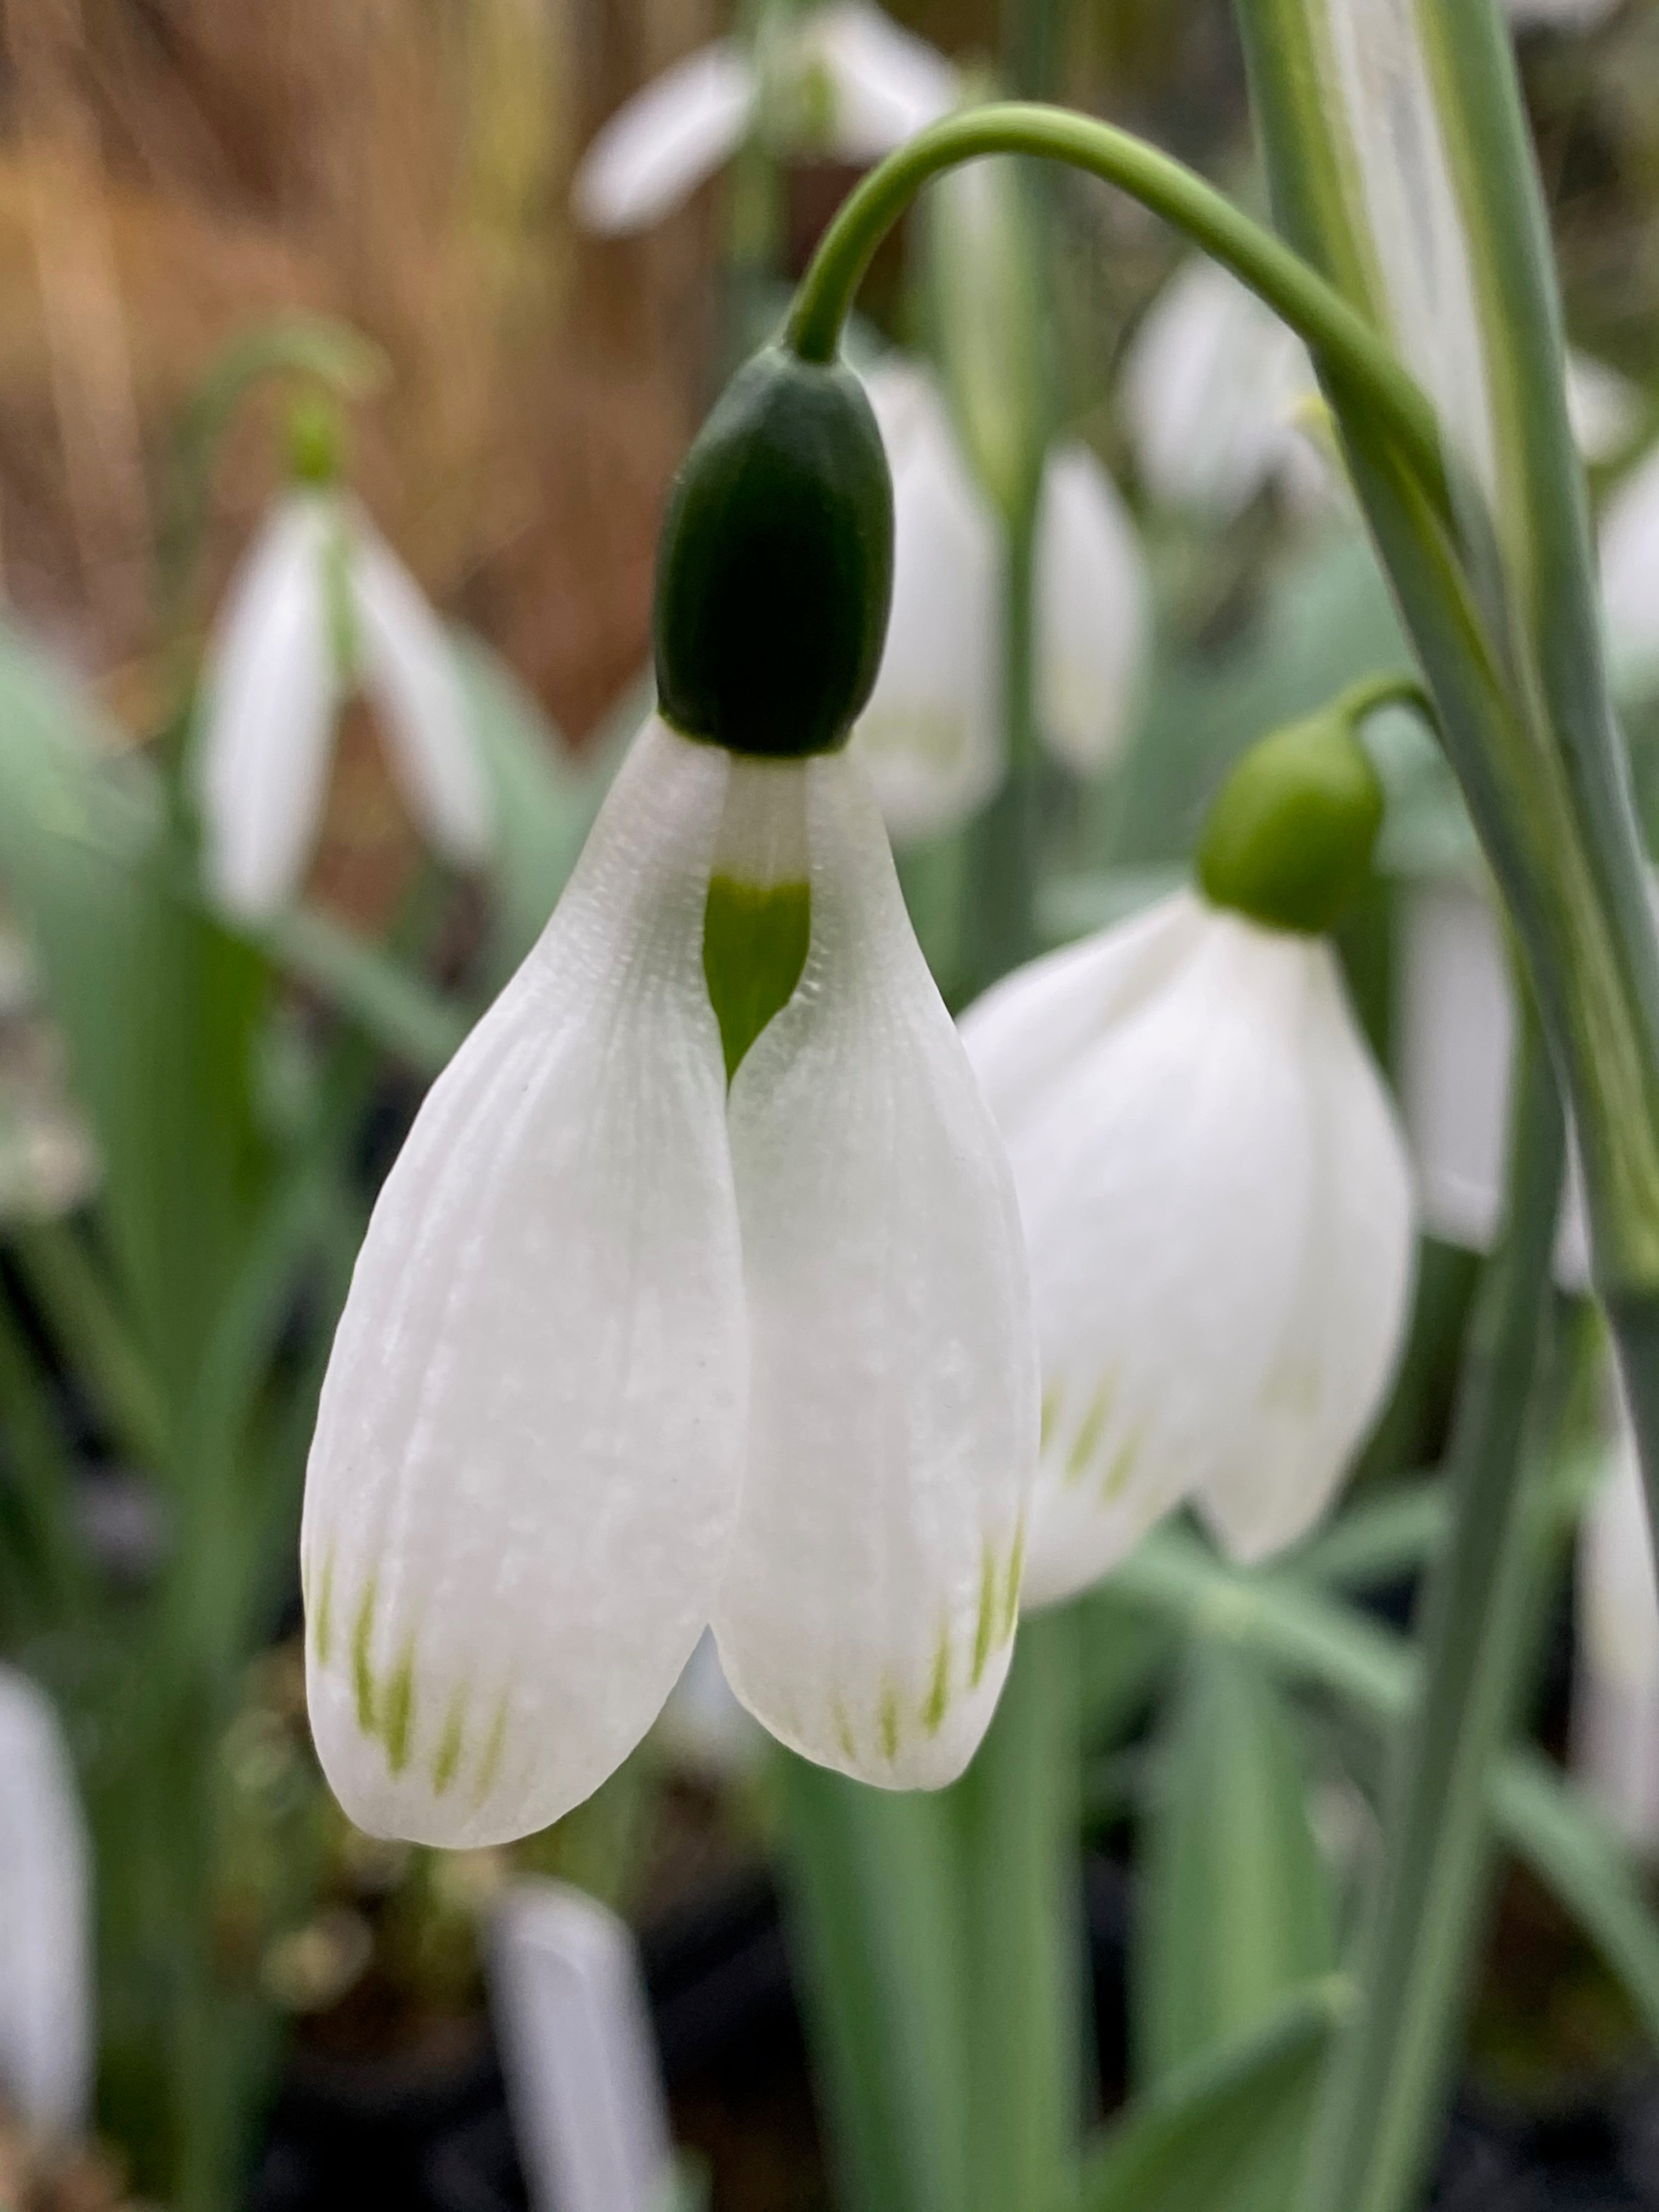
(1288, 840)
(774, 574)
(314, 442)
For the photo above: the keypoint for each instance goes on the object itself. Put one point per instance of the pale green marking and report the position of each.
(985, 1632)
(361, 1675)
(493, 1749)
(1122, 1465)
(1015, 1577)
(938, 1695)
(452, 1743)
(889, 1722)
(754, 947)
(322, 1623)
(844, 1731)
(1086, 1442)
(1050, 1417)
(398, 1710)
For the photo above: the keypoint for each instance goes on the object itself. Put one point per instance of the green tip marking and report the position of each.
(1123, 1465)
(889, 1722)
(1086, 1442)
(985, 1629)
(451, 1742)
(1015, 1577)
(322, 1619)
(493, 1749)
(1050, 1417)
(938, 1694)
(843, 1730)
(754, 948)
(361, 1675)
(398, 1710)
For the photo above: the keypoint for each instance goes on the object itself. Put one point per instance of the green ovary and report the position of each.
(754, 948)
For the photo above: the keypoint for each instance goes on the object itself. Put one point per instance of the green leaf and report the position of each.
(389, 1001)
(1224, 2129)
(1235, 1906)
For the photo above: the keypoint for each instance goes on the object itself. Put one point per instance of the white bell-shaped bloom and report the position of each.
(1630, 576)
(932, 734)
(45, 1963)
(1615, 1701)
(841, 78)
(627, 1353)
(1218, 1217)
(320, 607)
(1213, 386)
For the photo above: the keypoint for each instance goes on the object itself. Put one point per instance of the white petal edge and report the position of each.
(665, 142)
(269, 693)
(888, 84)
(45, 1963)
(931, 735)
(1093, 612)
(409, 671)
(1341, 1340)
(868, 1613)
(525, 1471)
(1163, 1184)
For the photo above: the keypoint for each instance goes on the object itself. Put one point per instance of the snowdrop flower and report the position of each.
(842, 78)
(46, 1967)
(1615, 1700)
(1213, 386)
(697, 1294)
(321, 607)
(1215, 1192)
(933, 734)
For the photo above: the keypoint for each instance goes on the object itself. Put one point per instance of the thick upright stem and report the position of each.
(1386, 2094)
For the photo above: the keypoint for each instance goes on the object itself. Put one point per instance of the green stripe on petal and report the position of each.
(362, 1676)
(754, 948)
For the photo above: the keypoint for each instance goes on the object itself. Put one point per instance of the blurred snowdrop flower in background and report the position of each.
(319, 609)
(45, 1963)
(1214, 386)
(932, 734)
(49, 1163)
(1218, 1216)
(840, 79)
(1615, 1700)
(672, 1313)
(1629, 538)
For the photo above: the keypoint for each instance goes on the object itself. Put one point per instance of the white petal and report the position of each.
(45, 1967)
(868, 1611)
(656, 150)
(269, 694)
(1093, 611)
(887, 83)
(1213, 385)
(1409, 210)
(932, 733)
(1630, 575)
(410, 672)
(1341, 1338)
(527, 1457)
(1164, 1181)
(1615, 1693)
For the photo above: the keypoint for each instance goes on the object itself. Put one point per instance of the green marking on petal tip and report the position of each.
(985, 1630)
(493, 1749)
(1123, 1465)
(938, 1695)
(844, 1736)
(754, 947)
(452, 1743)
(361, 1675)
(1086, 1442)
(1050, 1417)
(1015, 1577)
(889, 1722)
(398, 1710)
(322, 1619)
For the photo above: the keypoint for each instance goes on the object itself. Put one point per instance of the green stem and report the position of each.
(1019, 1809)
(1385, 2097)
(1349, 351)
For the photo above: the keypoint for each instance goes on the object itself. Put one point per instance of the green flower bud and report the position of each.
(775, 569)
(1288, 838)
(314, 442)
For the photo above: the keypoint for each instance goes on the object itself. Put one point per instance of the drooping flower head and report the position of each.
(322, 608)
(1214, 1188)
(697, 1294)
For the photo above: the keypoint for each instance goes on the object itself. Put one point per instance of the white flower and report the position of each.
(45, 1967)
(1218, 1217)
(320, 603)
(932, 732)
(625, 1355)
(841, 78)
(1604, 408)
(1615, 1706)
(1213, 386)
(1630, 576)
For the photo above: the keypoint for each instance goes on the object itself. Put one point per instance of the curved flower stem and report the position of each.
(1373, 694)
(1348, 349)
(1384, 2096)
